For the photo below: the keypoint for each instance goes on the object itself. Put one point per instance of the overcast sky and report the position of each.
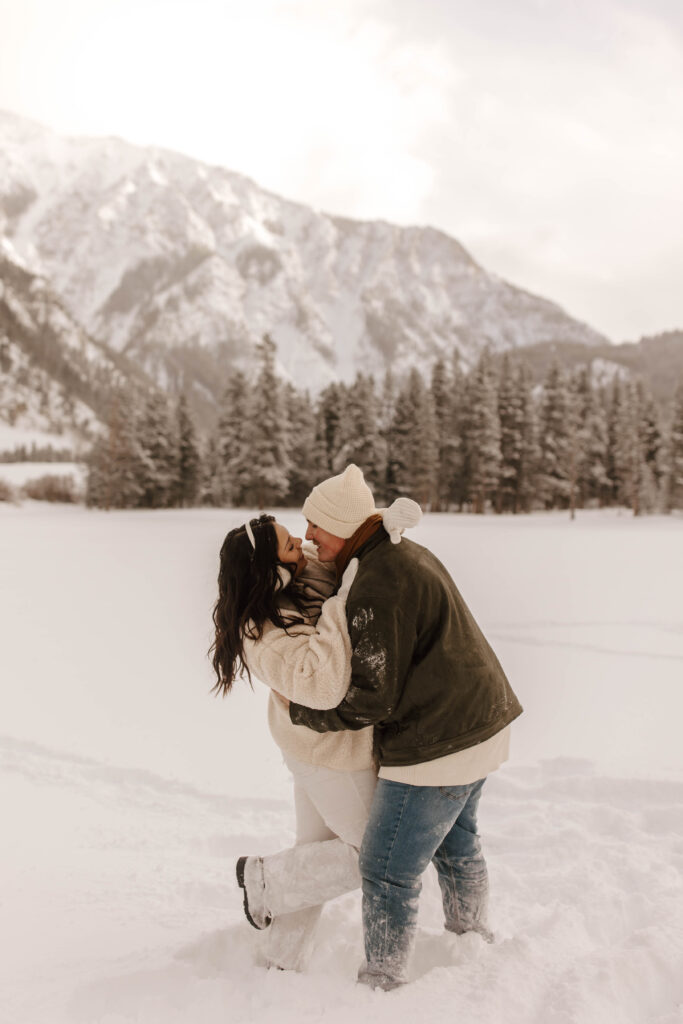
(545, 135)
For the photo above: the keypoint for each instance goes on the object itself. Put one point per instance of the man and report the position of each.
(425, 677)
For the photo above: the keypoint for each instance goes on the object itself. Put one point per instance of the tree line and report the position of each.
(477, 441)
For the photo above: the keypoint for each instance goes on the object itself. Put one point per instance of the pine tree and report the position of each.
(413, 452)
(159, 445)
(211, 482)
(483, 436)
(387, 409)
(188, 464)
(329, 427)
(557, 441)
(456, 467)
(589, 436)
(613, 464)
(232, 444)
(115, 462)
(651, 439)
(266, 476)
(637, 451)
(359, 435)
(675, 474)
(512, 415)
(447, 443)
(306, 469)
(531, 452)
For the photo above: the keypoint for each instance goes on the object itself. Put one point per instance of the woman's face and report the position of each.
(289, 549)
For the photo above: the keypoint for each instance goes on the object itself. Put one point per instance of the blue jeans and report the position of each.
(409, 826)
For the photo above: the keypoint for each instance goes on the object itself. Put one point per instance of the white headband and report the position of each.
(250, 534)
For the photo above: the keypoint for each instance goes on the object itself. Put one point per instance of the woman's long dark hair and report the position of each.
(248, 591)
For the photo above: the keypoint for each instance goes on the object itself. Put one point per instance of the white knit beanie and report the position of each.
(340, 504)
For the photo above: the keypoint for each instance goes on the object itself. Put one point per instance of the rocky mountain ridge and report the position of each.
(54, 378)
(184, 266)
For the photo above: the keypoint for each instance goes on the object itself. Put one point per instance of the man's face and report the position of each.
(327, 544)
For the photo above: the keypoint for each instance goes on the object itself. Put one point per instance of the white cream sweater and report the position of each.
(311, 664)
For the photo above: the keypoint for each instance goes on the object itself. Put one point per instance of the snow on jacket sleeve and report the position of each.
(308, 664)
(381, 653)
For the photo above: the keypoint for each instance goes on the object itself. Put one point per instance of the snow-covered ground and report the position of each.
(127, 790)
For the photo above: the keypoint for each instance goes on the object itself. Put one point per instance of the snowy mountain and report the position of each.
(657, 360)
(53, 377)
(184, 266)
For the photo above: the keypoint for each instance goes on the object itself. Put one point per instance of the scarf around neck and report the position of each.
(356, 541)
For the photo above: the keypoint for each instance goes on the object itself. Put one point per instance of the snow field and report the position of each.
(123, 907)
(127, 792)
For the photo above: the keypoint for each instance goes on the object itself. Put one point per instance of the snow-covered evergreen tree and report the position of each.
(443, 399)
(413, 447)
(513, 423)
(652, 441)
(649, 445)
(482, 438)
(232, 446)
(387, 402)
(115, 464)
(637, 451)
(360, 439)
(330, 414)
(557, 440)
(306, 469)
(531, 451)
(211, 480)
(188, 463)
(675, 453)
(268, 461)
(387, 405)
(456, 467)
(159, 445)
(592, 437)
(613, 465)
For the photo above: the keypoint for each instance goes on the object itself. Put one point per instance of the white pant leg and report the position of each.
(288, 942)
(298, 880)
(312, 872)
(342, 799)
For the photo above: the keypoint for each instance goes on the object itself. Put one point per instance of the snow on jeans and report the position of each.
(332, 810)
(409, 826)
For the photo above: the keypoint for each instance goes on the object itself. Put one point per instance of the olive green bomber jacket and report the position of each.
(422, 671)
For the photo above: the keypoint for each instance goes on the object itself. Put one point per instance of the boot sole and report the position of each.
(239, 871)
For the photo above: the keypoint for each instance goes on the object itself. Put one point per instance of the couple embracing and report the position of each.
(390, 709)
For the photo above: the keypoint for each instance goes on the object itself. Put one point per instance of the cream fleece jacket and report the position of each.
(311, 665)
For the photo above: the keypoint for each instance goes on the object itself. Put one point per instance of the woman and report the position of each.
(270, 619)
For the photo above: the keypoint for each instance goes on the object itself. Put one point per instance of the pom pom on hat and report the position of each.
(401, 514)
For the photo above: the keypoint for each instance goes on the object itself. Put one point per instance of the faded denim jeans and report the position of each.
(409, 826)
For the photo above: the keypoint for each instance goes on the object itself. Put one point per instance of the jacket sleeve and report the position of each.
(381, 653)
(308, 664)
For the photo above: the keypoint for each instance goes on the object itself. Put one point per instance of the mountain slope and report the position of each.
(54, 378)
(658, 360)
(184, 266)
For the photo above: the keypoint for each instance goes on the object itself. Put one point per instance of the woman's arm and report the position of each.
(310, 665)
